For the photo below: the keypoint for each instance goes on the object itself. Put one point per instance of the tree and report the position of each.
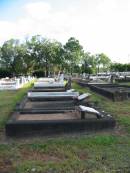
(11, 57)
(57, 56)
(73, 53)
(103, 62)
(49, 56)
(118, 67)
(88, 63)
(33, 55)
(43, 54)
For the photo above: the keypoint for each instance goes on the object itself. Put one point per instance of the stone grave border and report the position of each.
(100, 89)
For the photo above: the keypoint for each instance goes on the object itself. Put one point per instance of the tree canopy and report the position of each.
(50, 56)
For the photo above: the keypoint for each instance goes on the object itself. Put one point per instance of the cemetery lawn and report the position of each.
(102, 152)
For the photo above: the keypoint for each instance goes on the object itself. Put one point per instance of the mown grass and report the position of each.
(102, 153)
(8, 100)
(94, 153)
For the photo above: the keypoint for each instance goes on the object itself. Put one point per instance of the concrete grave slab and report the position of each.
(52, 95)
(48, 84)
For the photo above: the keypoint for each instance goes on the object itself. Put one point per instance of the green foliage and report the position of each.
(102, 61)
(12, 56)
(5, 73)
(73, 53)
(95, 63)
(38, 73)
(120, 67)
(51, 56)
(34, 54)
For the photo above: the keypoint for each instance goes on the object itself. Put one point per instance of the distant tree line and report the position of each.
(37, 55)
(118, 67)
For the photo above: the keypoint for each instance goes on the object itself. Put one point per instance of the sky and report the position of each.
(99, 25)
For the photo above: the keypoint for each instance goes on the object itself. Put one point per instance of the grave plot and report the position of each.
(42, 96)
(123, 79)
(57, 89)
(117, 88)
(53, 117)
(56, 122)
(51, 89)
(113, 91)
(44, 85)
(49, 85)
(14, 83)
(37, 105)
(46, 79)
(8, 85)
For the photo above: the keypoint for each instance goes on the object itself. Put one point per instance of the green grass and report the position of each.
(105, 152)
(8, 100)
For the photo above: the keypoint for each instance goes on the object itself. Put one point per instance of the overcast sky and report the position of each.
(99, 25)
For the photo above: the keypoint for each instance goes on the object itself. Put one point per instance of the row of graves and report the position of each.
(107, 86)
(53, 107)
(14, 83)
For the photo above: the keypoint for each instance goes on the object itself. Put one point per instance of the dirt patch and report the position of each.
(6, 166)
(119, 130)
(82, 155)
(127, 114)
(54, 116)
(37, 155)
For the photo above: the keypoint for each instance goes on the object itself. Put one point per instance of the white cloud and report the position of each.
(100, 25)
(7, 30)
(38, 10)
